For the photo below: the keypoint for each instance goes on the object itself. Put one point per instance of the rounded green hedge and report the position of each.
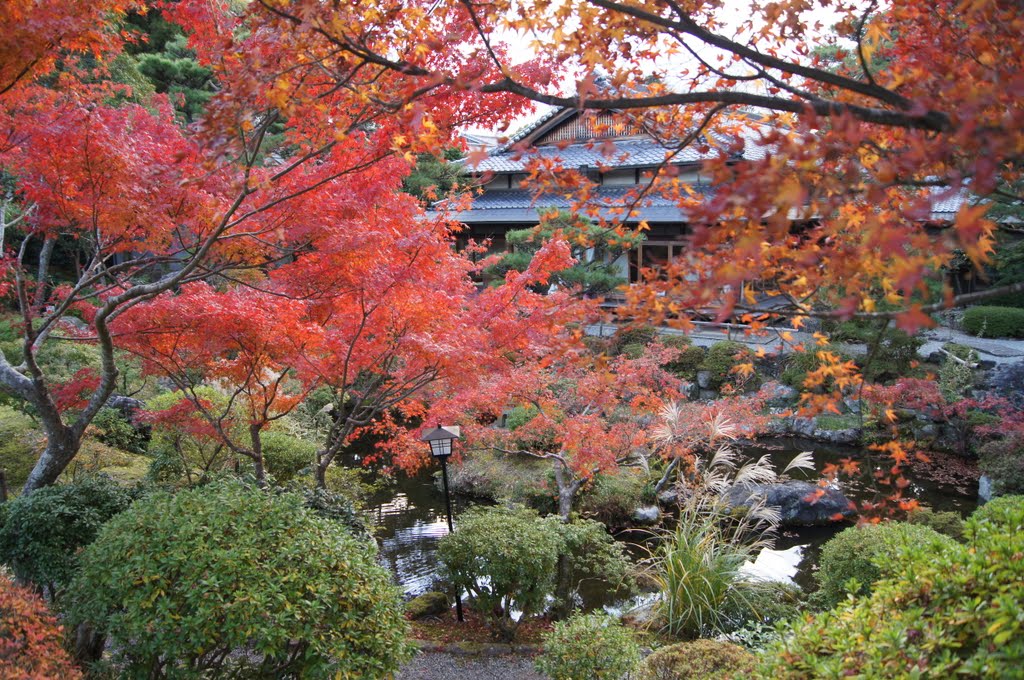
(994, 322)
(42, 533)
(698, 660)
(506, 559)
(721, 358)
(949, 611)
(227, 580)
(588, 647)
(854, 553)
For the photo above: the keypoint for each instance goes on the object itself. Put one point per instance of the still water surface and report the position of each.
(410, 520)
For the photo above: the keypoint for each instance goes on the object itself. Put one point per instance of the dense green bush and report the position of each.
(799, 364)
(613, 498)
(505, 558)
(854, 554)
(588, 647)
(115, 430)
(225, 580)
(1003, 461)
(688, 362)
(721, 358)
(947, 611)
(633, 335)
(698, 660)
(948, 523)
(286, 456)
(994, 322)
(43, 533)
(589, 553)
(1005, 511)
(633, 350)
(893, 357)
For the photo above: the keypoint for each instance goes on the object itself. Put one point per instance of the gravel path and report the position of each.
(442, 666)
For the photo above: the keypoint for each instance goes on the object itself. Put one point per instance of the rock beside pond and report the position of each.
(427, 604)
(780, 395)
(646, 515)
(798, 502)
(984, 488)
(809, 429)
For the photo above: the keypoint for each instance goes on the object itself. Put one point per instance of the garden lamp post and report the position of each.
(440, 440)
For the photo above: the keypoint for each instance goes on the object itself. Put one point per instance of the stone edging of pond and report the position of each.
(476, 648)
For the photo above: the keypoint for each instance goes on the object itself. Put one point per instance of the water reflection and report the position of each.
(409, 519)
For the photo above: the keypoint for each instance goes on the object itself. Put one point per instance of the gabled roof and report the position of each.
(628, 153)
(523, 206)
(636, 151)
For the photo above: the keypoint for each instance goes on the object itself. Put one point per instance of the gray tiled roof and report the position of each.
(945, 205)
(520, 205)
(628, 153)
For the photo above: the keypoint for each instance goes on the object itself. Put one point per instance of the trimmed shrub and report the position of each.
(721, 358)
(633, 350)
(613, 498)
(505, 558)
(115, 430)
(799, 364)
(226, 580)
(633, 335)
(1005, 511)
(947, 611)
(854, 555)
(994, 322)
(1003, 461)
(894, 357)
(588, 647)
(687, 364)
(286, 456)
(30, 638)
(698, 660)
(44, 532)
(947, 523)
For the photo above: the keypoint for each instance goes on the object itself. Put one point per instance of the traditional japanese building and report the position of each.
(580, 140)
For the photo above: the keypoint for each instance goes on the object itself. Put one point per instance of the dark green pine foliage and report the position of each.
(594, 247)
(434, 178)
(161, 56)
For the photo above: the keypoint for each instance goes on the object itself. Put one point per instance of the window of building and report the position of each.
(653, 255)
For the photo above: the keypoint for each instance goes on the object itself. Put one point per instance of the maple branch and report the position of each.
(860, 42)
(930, 120)
(687, 25)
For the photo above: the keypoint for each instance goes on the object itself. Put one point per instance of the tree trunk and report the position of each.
(567, 488)
(61, 448)
(89, 644)
(320, 472)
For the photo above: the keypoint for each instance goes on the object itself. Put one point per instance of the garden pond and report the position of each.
(409, 517)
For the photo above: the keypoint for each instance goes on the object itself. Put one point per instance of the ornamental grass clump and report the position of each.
(698, 566)
(227, 580)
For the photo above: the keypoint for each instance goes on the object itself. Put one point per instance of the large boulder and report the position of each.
(798, 502)
(428, 604)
